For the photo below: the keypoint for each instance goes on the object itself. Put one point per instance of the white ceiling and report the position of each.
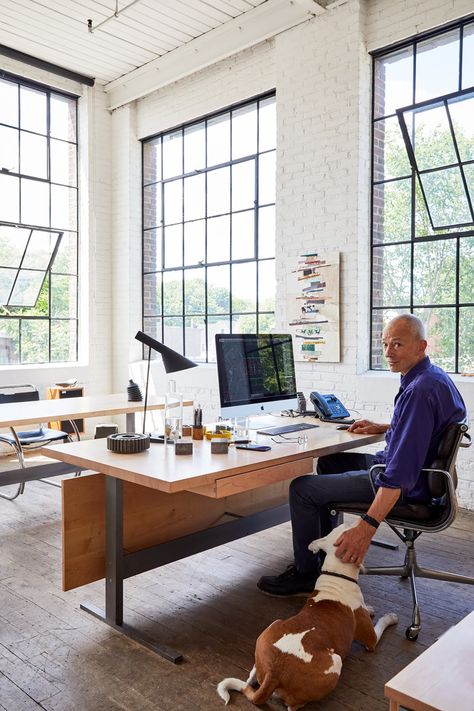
(148, 43)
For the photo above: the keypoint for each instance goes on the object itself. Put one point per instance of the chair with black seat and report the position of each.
(410, 520)
(23, 441)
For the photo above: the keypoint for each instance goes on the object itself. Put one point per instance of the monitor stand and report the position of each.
(260, 422)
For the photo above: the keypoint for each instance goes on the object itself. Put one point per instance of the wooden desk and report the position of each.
(440, 679)
(149, 509)
(21, 414)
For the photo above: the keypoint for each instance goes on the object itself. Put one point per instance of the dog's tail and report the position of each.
(256, 696)
(229, 683)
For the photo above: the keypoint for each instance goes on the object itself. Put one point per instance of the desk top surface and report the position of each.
(160, 468)
(441, 678)
(26, 413)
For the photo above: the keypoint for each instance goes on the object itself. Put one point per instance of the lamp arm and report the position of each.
(146, 388)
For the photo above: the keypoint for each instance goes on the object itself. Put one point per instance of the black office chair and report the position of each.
(410, 520)
(23, 441)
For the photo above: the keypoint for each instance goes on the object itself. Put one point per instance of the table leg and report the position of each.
(114, 573)
(393, 705)
(114, 550)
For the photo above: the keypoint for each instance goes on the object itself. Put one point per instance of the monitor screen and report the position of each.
(256, 373)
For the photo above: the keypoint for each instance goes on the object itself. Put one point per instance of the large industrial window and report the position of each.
(38, 224)
(423, 192)
(209, 228)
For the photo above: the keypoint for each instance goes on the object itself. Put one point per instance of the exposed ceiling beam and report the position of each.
(254, 26)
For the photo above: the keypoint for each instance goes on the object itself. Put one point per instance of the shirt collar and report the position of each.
(416, 370)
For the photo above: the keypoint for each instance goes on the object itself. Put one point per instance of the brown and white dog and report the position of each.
(300, 659)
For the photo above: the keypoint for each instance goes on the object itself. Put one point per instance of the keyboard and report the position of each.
(285, 429)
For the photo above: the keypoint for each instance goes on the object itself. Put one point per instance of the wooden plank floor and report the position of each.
(55, 657)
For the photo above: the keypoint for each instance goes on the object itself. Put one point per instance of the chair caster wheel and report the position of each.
(411, 633)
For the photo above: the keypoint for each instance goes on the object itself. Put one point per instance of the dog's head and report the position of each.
(326, 544)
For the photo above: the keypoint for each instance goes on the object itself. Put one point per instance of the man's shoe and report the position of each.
(290, 583)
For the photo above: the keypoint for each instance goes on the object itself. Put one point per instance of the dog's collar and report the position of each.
(339, 575)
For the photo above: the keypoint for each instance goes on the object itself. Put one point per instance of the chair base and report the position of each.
(411, 570)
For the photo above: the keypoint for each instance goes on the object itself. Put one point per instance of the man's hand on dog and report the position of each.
(352, 545)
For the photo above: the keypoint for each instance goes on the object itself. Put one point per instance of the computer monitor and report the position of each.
(256, 373)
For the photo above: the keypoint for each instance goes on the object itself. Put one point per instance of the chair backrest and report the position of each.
(18, 393)
(446, 458)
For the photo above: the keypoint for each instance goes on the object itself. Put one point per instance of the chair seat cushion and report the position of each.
(42, 434)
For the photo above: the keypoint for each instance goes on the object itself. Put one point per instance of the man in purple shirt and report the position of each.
(425, 405)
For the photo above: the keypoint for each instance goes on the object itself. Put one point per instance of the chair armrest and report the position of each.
(427, 470)
(372, 475)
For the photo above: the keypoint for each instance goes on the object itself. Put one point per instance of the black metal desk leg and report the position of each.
(114, 569)
(113, 550)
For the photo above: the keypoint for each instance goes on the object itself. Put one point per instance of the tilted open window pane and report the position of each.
(7, 280)
(26, 289)
(439, 139)
(433, 140)
(29, 254)
(446, 198)
(462, 116)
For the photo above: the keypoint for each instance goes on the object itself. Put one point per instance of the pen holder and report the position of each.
(198, 432)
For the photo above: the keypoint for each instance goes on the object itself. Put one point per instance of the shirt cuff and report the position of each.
(382, 481)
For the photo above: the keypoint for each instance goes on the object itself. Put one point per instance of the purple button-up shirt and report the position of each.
(427, 402)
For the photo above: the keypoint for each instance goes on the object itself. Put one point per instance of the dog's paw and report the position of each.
(314, 546)
(390, 618)
(370, 610)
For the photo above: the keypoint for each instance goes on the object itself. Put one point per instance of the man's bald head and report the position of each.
(412, 323)
(404, 343)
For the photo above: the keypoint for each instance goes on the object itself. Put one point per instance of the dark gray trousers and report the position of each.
(341, 477)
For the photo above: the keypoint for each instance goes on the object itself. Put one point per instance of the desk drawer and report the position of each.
(238, 483)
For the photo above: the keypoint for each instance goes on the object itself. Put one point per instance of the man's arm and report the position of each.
(368, 427)
(352, 545)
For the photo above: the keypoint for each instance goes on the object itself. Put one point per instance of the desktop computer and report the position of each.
(257, 377)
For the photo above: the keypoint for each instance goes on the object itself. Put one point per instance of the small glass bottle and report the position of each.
(173, 413)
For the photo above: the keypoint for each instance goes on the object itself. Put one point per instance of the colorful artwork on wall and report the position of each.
(313, 307)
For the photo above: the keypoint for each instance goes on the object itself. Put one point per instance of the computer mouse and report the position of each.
(342, 427)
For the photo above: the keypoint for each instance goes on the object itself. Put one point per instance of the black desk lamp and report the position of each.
(172, 361)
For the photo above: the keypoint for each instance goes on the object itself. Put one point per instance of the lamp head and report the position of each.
(172, 361)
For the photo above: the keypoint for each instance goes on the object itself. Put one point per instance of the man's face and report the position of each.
(402, 349)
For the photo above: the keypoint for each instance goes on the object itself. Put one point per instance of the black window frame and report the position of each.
(205, 264)
(25, 318)
(455, 233)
